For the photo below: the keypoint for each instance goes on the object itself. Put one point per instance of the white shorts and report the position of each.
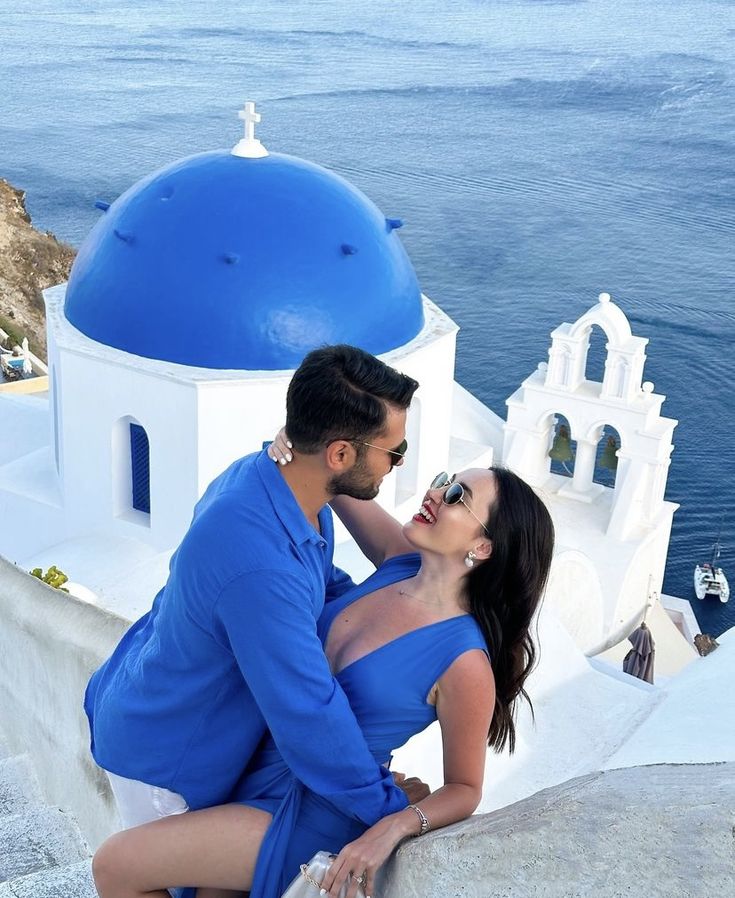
(140, 803)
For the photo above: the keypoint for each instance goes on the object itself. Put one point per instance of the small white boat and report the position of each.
(709, 579)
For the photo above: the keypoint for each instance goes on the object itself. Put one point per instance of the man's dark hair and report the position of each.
(340, 392)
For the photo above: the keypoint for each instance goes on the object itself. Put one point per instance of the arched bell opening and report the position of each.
(596, 355)
(606, 459)
(562, 448)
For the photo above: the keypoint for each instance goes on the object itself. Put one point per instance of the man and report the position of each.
(230, 647)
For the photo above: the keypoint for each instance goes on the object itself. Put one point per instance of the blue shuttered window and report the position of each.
(140, 468)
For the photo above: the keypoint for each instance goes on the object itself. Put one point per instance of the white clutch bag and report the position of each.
(308, 883)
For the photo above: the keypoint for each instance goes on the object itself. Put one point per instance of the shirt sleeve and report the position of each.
(268, 619)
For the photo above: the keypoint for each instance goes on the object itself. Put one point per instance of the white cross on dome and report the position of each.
(249, 147)
(251, 119)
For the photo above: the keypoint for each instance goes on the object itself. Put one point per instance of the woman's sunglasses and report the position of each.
(453, 493)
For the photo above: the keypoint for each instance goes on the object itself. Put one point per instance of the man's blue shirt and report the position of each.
(230, 649)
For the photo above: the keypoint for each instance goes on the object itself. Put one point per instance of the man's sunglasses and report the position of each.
(396, 455)
(453, 493)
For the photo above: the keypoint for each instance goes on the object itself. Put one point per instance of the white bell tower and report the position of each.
(621, 401)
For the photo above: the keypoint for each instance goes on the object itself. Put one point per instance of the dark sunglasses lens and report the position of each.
(453, 494)
(402, 449)
(439, 481)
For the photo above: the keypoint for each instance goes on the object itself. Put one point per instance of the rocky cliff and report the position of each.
(30, 261)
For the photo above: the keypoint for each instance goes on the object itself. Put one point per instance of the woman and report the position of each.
(455, 587)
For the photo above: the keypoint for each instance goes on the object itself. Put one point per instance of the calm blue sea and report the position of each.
(539, 152)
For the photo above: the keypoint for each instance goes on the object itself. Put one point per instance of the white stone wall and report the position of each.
(658, 832)
(49, 645)
(100, 400)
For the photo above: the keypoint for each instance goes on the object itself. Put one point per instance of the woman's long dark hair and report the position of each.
(505, 590)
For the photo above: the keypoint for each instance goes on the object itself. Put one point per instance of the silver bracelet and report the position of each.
(425, 825)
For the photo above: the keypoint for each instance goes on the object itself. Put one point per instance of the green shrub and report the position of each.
(53, 576)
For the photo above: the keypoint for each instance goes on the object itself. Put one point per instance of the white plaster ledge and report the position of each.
(664, 830)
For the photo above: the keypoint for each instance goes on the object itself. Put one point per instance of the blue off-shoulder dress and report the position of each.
(387, 690)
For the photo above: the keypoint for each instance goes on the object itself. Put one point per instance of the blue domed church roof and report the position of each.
(220, 261)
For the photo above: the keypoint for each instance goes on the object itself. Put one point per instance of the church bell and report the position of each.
(561, 449)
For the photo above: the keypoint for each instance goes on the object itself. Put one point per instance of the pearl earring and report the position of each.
(470, 559)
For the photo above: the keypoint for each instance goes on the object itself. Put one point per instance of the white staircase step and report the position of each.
(39, 839)
(19, 788)
(72, 881)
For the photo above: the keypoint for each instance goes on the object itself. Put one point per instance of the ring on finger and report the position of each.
(362, 879)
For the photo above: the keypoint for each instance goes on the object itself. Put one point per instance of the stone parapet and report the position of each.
(50, 643)
(664, 830)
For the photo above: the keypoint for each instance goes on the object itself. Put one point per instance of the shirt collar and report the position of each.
(286, 507)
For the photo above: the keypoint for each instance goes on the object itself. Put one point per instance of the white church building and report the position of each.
(170, 349)
(172, 345)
